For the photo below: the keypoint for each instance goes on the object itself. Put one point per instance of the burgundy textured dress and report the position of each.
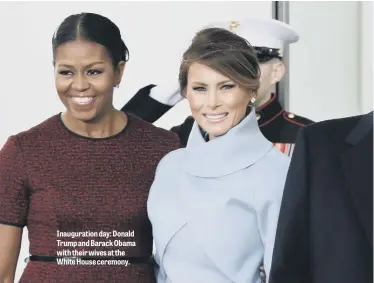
(54, 181)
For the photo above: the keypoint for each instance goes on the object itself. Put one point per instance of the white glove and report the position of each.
(166, 94)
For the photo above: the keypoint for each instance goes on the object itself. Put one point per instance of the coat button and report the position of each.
(291, 116)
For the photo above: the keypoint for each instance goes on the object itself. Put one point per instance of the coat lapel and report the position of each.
(357, 162)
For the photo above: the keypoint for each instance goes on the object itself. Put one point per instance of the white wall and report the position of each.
(155, 32)
(366, 55)
(331, 67)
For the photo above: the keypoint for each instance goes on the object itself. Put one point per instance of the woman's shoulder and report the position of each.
(26, 141)
(46, 128)
(278, 159)
(276, 166)
(173, 157)
(172, 161)
(152, 134)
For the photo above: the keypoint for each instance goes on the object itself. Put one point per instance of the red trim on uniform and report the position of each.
(291, 120)
(273, 97)
(272, 119)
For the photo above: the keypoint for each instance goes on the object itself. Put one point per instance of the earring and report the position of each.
(253, 99)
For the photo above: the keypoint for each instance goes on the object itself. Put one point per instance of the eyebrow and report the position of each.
(87, 66)
(204, 84)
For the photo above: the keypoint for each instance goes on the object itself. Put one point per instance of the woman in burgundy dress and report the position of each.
(80, 176)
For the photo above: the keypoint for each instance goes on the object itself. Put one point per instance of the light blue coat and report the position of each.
(214, 207)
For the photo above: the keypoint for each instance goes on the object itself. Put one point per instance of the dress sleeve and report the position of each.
(14, 196)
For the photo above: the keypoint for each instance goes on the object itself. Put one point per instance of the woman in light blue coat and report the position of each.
(214, 205)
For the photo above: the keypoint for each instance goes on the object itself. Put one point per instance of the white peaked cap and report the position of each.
(261, 32)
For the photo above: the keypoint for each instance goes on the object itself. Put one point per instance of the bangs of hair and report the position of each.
(235, 62)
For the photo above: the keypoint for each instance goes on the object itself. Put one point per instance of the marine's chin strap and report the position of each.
(205, 134)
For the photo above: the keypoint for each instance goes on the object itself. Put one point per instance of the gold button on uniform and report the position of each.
(291, 116)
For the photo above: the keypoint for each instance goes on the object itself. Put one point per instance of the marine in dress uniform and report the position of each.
(277, 125)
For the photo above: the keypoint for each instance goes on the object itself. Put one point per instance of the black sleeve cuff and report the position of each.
(12, 224)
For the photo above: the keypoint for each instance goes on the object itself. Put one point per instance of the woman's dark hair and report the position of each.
(225, 52)
(94, 28)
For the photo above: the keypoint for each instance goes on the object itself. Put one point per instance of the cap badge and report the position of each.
(233, 25)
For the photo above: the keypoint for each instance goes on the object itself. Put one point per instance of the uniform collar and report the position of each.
(239, 148)
(267, 112)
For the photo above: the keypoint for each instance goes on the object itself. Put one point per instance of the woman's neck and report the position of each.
(109, 124)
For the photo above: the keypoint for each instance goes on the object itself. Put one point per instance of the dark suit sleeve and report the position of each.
(144, 106)
(183, 130)
(178, 129)
(291, 255)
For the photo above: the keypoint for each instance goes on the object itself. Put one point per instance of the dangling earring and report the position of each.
(250, 104)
